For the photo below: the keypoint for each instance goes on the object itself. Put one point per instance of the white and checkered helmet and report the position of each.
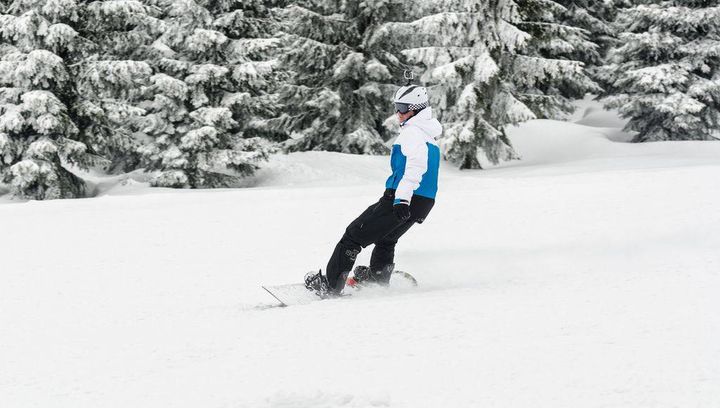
(411, 97)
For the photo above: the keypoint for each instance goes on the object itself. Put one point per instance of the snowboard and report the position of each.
(298, 294)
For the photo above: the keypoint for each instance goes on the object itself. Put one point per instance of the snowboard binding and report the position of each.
(317, 283)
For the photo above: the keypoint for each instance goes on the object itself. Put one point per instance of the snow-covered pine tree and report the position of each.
(546, 73)
(460, 48)
(38, 136)
(338, 97)
(485, 72)
(121, 40)
(666, 76)
(196, 140)
(253, 50)
(595, 17)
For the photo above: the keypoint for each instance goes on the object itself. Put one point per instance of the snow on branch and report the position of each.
(682, 20)
(534, 70)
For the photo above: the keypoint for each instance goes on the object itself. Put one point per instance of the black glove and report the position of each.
(402, 210)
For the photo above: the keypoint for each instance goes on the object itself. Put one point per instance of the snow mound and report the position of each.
(319, 169)
(590, 112)
(578, 145)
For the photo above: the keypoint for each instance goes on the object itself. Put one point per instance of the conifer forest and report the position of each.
(199, 93)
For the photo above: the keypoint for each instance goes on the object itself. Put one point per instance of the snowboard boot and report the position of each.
(363, 274)
(360, 274)
(383, 275)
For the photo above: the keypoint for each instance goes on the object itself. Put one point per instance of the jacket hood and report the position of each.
(424, 121)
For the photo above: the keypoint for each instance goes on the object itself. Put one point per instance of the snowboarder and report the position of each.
(408, 198)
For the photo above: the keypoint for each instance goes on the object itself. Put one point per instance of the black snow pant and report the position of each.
(376, 225)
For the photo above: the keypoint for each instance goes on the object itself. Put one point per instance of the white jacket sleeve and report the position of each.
(415, 150)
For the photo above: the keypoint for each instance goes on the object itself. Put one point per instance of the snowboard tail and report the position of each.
(291, 294)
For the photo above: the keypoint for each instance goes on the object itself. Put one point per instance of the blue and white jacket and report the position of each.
(415, 158)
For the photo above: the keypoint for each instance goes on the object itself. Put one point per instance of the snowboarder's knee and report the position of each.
(353, 238)
(350, 243)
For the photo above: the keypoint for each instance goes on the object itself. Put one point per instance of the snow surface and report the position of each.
(585, 275)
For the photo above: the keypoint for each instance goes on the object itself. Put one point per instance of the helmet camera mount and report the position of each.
(409, 75)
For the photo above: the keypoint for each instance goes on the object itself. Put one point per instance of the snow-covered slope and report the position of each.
(585, 275)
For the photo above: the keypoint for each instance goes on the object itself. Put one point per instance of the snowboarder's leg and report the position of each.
(374, 223)
(341, 262)
(383, 254)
